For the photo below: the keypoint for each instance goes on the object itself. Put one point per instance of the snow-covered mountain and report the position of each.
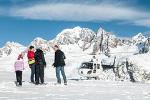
(39, 42)
(83, 37)
(10, 48)
(78, 43)
(72, 36)
(138, 38)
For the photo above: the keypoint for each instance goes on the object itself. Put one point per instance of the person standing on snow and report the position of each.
(59, 64)
(40, 64)
(31, 62)
(94, 60)
(19, 67)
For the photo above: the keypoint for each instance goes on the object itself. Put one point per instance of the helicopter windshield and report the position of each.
(87, 65)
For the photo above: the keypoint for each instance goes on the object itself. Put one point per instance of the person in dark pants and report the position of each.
(19, 78)
(40, 64)
(59, 64)
(31, 61)
(19, 67)
(32, 77)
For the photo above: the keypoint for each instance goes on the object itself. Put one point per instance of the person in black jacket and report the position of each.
(39, 67)
(59, 64)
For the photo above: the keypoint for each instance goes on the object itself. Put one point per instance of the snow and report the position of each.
(78, 45)
(142, 61)
(139, 38)
(72, 36)
(76, 89)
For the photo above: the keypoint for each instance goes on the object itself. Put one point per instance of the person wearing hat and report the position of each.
(59, 64)
(19, 67)
(40, 64)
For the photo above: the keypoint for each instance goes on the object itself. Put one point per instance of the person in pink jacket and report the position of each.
(19, 67)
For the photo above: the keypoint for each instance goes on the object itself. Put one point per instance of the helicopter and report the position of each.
(92, 69)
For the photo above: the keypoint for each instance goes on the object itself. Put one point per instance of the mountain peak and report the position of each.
(12, 44)
(139, 35)
(39, 39)
(10, 47)
(139, 38)
(71, 36)
(100, 31)
(77, 28)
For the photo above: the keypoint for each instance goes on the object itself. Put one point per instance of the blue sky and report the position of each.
(23, 20)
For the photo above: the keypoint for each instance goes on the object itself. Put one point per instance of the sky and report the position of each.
(23, 20)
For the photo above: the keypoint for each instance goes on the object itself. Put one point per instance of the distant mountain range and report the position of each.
(83, 37)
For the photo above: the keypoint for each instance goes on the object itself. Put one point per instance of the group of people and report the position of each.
(37, 64)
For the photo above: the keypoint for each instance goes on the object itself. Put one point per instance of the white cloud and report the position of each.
(78, 12)
(85, 12)
(143, 22)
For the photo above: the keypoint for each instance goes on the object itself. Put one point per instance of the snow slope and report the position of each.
(76, 90)
(78, 45)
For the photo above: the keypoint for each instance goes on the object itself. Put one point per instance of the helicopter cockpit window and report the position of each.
(87, 65)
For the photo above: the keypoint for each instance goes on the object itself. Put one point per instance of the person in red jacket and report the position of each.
(31, 61)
